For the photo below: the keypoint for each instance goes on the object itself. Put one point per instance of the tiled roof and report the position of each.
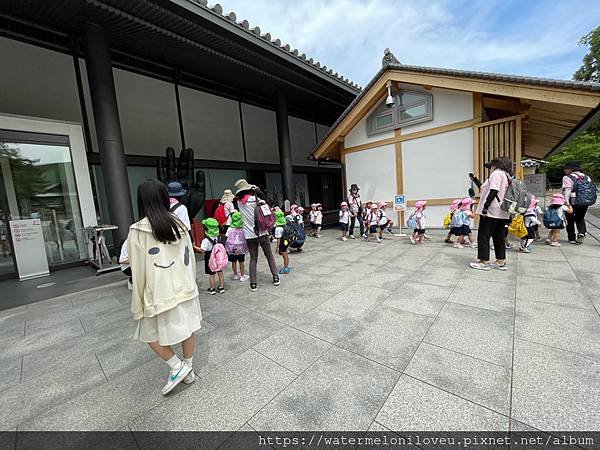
(275, 42)
(577, 85)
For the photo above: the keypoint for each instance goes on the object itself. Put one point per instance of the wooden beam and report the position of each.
(477, 105)
(416, 135)
(492, 122)
(512, 105)
(399, 173)
(518, 152)
(589, 99)
(432, 201)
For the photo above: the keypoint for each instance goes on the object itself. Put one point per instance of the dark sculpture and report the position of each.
(181, 169)
(389, 58)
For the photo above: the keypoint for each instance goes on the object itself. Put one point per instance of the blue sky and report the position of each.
(527, 37)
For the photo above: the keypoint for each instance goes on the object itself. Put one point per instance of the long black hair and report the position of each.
(153, 203)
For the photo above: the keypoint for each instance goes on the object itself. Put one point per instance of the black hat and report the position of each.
(354, 186)
(492, 162)
(573, 165)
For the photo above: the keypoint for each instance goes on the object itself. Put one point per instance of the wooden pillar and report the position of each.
(518, 150)
(399, 175)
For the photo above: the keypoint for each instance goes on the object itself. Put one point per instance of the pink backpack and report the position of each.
(264, 219)
(218, 257)
(236, 242)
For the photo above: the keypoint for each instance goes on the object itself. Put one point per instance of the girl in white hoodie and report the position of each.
(165, 295)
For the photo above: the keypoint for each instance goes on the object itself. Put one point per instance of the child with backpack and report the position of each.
(532, 224)
(236, 246)
(464, 216)
(316, 219)
(554, 218)
(279, 224)
(297, 239)
(215, 255)
(299, 215)
(288, 234)
(448, 219)
(416, 222)
(385, 224)
(225, 210)
(344, 219)
(372, 222)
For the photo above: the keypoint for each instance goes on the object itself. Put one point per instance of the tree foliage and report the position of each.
(590, 69)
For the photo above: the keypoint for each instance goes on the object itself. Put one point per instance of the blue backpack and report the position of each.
(552, 220)
(411, 223)
(297, 237)
(584, 190)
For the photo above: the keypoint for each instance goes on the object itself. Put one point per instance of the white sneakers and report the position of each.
(458, 245)
(244, 278)
(236, 276)
(176, 376)
(190, 378)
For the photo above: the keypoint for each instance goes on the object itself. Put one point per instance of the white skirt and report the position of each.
(170, 327)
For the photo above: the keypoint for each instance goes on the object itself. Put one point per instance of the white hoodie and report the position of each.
(164, 275)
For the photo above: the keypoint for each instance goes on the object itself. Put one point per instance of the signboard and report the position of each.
(536, 184)
(399, 202)
(29, 248)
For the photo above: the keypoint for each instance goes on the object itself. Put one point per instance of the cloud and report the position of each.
(510, 36)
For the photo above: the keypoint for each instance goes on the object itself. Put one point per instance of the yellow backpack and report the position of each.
(447, 220)
(517, 227)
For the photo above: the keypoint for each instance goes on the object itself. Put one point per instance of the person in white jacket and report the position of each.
(165, 295)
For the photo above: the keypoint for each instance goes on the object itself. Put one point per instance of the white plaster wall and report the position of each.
(374, 171)
(148, 114)
(211, 125)
(437, 167)
(260, 133)
(36, 82)
(448, 107)
(358, 134)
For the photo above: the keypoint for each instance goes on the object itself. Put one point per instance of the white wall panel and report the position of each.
(211, 125)
(148, 114)
(448, 107)
(260, 132)
(36, 82)
(374, 171)
(302, 139)
(358, 134)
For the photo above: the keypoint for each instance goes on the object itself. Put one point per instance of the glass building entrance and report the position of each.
(37, 181)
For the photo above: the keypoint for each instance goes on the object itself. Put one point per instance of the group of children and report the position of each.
(374, 217)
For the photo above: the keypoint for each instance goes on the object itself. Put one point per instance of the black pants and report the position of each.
(576, 219)
(360, 222)
(265, 244)
(490, 227)
(127, 272)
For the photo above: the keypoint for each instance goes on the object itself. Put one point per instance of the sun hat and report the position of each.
(211, 227)
(300, 210)
(227, 196)
(313, 205)
(455, 204)
(237, 220)
(293, 207)
(557, 199)
(382, 204)
(466, 203)
(175, 189)
(353, 187)
(533, 204)
(289, 218)
(279, 218)
(343, 204)
(374, 206)
(319, 204)
(420, 204)
(242, 185)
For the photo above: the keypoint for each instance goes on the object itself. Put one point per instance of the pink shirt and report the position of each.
(498, 180)
(567, 181)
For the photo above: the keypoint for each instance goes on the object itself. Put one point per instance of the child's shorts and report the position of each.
(343, 226)
(282, 247)
(455, 231)
(207, 270)
(531, 232)
(465, 230)
(373, 228)
(236, 258)
(313, 226)
(419, 231)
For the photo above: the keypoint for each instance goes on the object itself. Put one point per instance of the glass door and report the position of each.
(38, 182)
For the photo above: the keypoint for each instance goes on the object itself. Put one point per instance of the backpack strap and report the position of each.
(174, 207)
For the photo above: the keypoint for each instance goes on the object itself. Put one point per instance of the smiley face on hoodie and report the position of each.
(156, 251)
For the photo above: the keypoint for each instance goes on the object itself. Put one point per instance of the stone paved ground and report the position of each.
(360, 336)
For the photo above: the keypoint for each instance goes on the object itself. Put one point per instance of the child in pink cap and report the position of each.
(385, 223)
(454, 206)
(532, 224)
(344, 218)
(416, 222)
(465, 215)
(372, 221)
(554, 218)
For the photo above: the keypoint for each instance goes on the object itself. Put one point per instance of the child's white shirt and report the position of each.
(466, 217)
(206, 245)
(373, 217)
(383, 220)
(420, 219)
(278, 232)
(318, 217)
(344, 216)
(561, 211)
(299, 219)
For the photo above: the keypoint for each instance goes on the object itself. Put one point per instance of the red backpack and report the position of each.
(220, 215)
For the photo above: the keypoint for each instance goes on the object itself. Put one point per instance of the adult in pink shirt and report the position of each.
(573, 172)
(493, 220)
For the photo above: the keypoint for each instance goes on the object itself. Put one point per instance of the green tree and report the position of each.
(590, 69)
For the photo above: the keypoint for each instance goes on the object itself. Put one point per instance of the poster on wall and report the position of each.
(275, 190)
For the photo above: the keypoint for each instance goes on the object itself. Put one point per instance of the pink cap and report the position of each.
(300, 209)
(533, 204)
(420, 204)
(293, 207)
(466, 203)
(382, 204)
(343, 204)
(455, 204)
(557, 199)
(374, 206)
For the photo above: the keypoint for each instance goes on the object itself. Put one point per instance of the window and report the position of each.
(410, 107)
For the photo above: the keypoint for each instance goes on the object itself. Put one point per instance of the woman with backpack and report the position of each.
(249, 198)
(493, 222)
(164, 299)
(579, 193)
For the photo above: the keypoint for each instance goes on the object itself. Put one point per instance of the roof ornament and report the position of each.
(388, 58)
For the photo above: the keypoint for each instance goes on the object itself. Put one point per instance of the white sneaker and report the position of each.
(500, 266)
(175, 377)
(190, 378)
(318, 236)
(457, 245)
(473, 245)
(351, 236)
(129, 285)
(479, 266)
(379, 240)
(236, 276)
(412, 240)
(244, 278)
(344, 238)
(554, 244)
